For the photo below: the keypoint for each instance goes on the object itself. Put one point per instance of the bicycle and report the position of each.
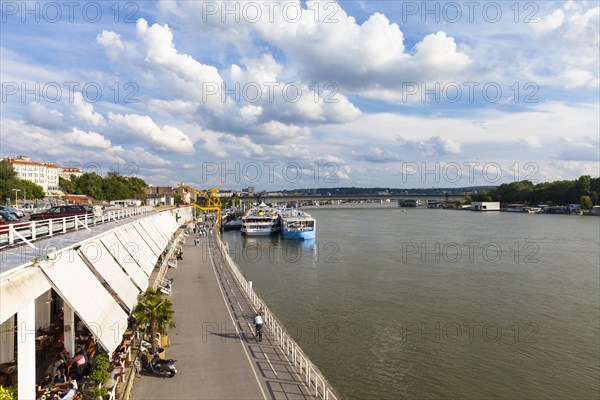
(259, 332)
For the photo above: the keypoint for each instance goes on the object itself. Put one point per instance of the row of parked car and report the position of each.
(12, 216)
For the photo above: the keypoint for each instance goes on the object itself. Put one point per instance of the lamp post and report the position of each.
(16, 196)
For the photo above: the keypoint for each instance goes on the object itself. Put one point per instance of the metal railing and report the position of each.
(27, 232)
(313, 377)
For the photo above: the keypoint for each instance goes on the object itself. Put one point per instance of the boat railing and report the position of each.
(313, 377)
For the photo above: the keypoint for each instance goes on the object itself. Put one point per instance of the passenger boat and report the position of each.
(297, 225)
(261, 220)
(234, 224)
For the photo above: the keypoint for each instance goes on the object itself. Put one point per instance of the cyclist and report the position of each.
(258, 323)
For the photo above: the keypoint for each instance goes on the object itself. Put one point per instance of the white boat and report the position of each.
(260, 220)
(297, 225)
(234, 224)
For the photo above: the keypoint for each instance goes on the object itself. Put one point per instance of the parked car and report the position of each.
(61, 212)
(7, 219)
(12, 210)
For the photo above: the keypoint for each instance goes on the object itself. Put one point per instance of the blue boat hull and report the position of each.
(293, 234)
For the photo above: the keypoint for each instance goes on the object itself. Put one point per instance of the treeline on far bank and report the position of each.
(584, 191)
(112, 187)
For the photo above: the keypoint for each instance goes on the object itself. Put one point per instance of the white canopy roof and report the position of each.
(77, 285)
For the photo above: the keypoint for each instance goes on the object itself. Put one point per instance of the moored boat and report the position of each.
(261, 220)
(297, 225)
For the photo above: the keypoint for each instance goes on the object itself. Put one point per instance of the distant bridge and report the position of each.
(350, 198)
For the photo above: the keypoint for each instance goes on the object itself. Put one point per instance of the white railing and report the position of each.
(313, 377)
(27, 232)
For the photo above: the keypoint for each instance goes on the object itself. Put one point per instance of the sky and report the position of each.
(305, 94)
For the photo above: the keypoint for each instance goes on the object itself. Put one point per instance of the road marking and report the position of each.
(275, 372)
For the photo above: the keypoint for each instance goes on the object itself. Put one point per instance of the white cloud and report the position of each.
(41, 116)
(258, 82)
(246, 146)
(172, 107)
(584, 149)
(276, 131)
(167, 138)
(550, 22)
(212, 143)
(84, 111)
(571, 46)
(362, 56)
(532, 141)
(251, 112)
(375, 154)
(111, 42)
(137, 155)
(576, 77)
(192, 80)
(87, 139)
(433, 146)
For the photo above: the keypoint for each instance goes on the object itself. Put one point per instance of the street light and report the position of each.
(16, 196)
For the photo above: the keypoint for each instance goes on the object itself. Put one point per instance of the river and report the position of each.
(432, 303)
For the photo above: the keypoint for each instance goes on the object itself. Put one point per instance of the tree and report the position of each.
(68, 185)
(178, 199)
(585, 202)
(114, 187)
(30, 190)
(584, 185)
(8, 180)
(155, 312)
(90, 184)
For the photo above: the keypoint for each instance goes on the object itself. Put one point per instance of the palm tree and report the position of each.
(155, 312)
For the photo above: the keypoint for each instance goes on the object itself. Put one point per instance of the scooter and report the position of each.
(162, 367)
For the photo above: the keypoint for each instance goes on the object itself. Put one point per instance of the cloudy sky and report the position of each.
(289, 94)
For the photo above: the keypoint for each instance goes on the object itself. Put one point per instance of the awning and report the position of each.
(167, 224)
(154, 246)
(138, 249)
(122, 256)
(19, 289)
(78, 286)
(158, 237)
(101, 259)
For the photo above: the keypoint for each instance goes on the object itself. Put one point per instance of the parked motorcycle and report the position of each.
(162, 367)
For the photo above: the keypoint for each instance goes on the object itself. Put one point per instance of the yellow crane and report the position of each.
(213, 201)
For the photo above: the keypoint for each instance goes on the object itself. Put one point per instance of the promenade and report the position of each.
(217, 354)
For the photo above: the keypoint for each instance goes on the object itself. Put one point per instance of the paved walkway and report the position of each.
(217, 354)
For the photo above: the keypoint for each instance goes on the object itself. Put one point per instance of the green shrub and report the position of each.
(100, 371)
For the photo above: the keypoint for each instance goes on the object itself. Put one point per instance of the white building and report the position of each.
(485, 206)
(43, 174)
(67, 172)
(127, 202)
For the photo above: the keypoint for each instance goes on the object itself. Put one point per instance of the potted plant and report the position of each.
(155, 312)
(100, 374)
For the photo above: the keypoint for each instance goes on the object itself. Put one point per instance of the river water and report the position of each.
(427, 303)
